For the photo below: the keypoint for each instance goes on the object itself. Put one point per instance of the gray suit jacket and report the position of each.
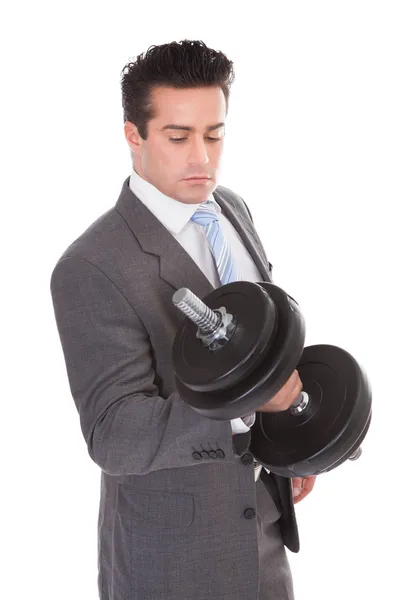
(175, 486)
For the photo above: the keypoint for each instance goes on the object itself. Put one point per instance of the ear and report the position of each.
(132, 136)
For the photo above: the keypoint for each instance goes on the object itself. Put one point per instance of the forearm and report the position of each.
(140, 434)
(128, 427)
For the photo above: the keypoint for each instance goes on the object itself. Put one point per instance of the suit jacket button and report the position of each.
(247, 459)
(212, 454)
(205, 454)
(196, 455)
(220, 453)
(249, 513)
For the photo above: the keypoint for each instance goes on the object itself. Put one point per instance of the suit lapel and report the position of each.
(246, 233)
(176, 266)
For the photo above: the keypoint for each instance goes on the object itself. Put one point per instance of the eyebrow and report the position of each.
(186, 128)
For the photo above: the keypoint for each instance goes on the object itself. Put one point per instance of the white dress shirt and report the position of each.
(175, 216)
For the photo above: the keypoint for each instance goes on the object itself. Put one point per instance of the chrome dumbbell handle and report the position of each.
(215, 327)
(199, 313)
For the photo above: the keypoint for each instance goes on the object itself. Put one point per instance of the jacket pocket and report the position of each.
(171, 510)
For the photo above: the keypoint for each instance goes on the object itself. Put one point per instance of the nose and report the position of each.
(198, 152)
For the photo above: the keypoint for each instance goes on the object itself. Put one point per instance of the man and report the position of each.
(184, 511)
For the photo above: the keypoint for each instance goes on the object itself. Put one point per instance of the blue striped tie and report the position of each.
(206, 216)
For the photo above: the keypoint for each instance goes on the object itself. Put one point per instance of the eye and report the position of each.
(178, 140)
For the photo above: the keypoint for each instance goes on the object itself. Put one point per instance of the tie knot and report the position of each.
(205, 213)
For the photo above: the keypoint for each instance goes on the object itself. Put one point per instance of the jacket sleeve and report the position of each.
(128, 427)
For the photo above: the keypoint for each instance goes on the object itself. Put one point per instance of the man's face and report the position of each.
(171, 155)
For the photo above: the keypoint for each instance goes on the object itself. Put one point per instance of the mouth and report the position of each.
(205, 178)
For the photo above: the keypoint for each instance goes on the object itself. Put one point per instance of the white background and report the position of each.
(313, 147)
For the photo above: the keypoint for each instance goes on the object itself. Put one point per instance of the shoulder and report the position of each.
(97, 235)
(99, 243)
(234, 200)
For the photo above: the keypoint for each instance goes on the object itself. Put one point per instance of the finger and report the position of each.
(290, 382)
(297, 484)
(296, 385)
(293, 379)
(299, 498)
(297, 389)
(306, 487)
(308, 483)
(291, 395)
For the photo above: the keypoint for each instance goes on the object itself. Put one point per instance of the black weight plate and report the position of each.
(324, 462)
(278, 363)
(202, 369)
(338, 457)
(332, 425)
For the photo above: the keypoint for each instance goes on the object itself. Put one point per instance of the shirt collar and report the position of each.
(174, 215)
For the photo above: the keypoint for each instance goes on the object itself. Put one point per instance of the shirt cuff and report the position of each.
(241, 425)
(249, 420)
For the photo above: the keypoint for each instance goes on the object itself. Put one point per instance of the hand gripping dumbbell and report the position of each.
(238, 347)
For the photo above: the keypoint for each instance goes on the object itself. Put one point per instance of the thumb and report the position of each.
(297, 484)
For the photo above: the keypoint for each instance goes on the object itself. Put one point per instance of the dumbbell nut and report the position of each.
(356, 454)
(215, 327)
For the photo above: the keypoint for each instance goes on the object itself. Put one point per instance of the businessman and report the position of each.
(185, 513)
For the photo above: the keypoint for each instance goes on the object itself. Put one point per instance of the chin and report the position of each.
(197, 199)
(201, 193)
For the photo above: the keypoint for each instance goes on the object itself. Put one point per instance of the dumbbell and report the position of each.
(237, 348)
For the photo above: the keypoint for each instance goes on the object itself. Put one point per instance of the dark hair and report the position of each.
(184, 64)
